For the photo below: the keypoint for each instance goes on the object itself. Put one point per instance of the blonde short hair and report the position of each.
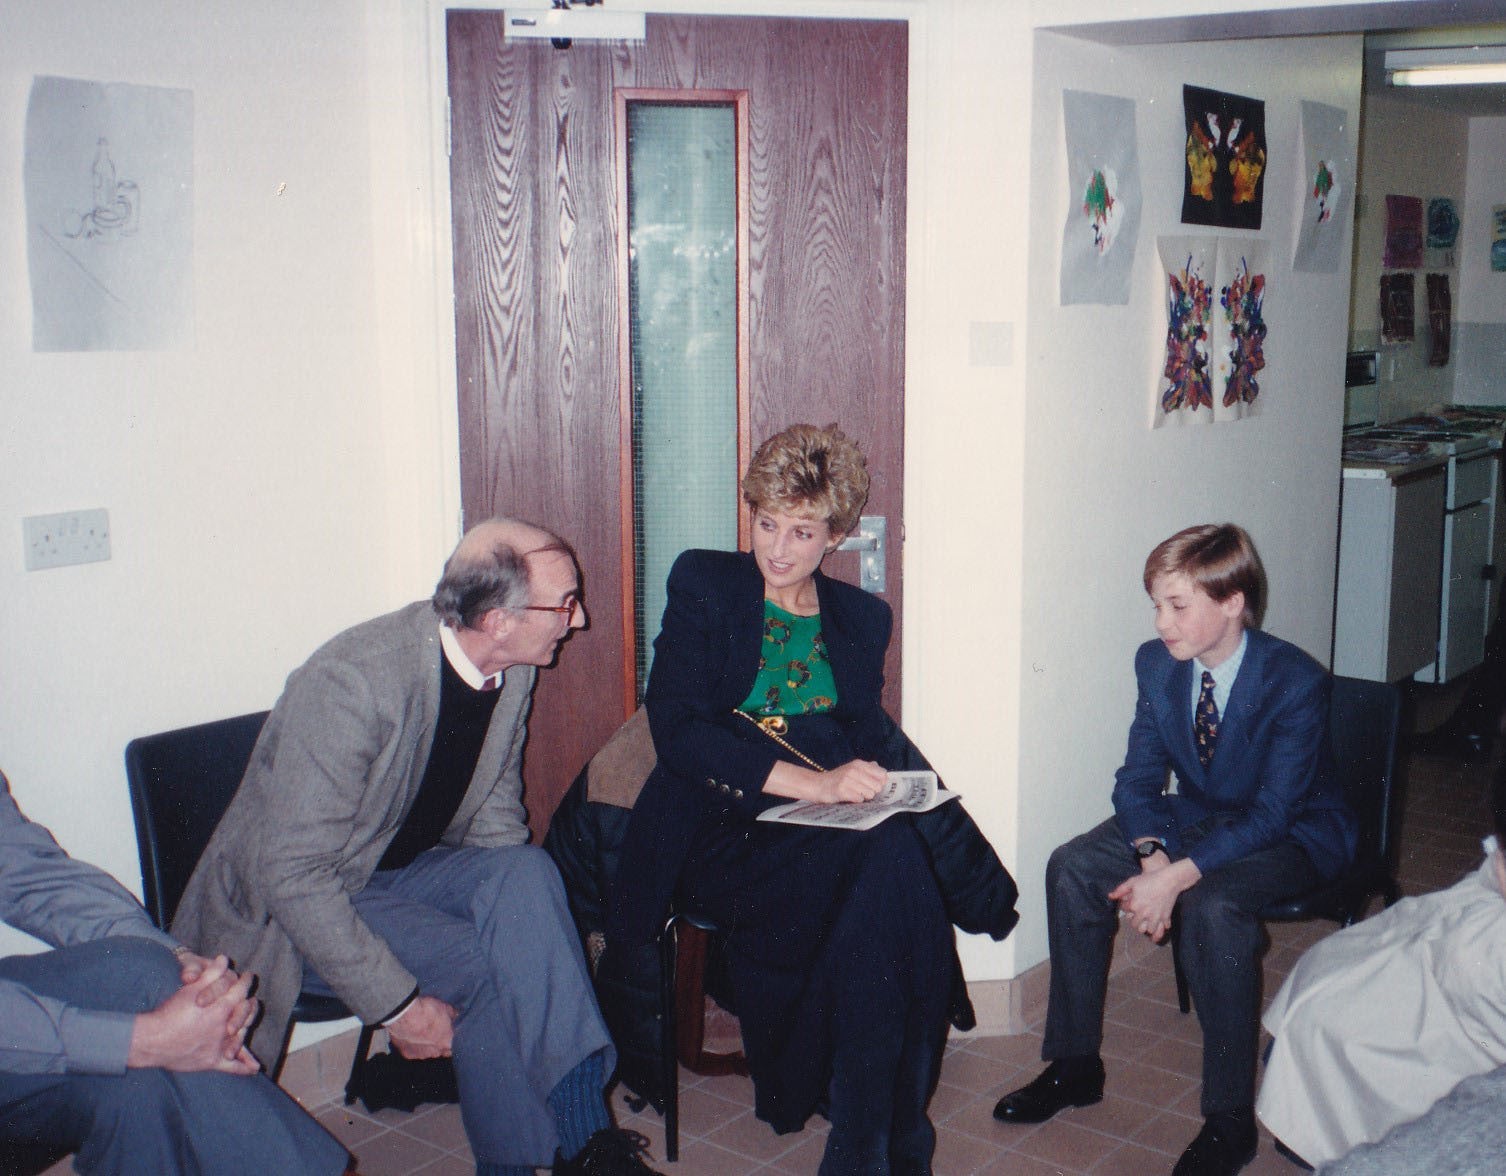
(811, 472)
(1220, 558)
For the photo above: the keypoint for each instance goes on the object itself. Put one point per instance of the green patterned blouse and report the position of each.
(794, 675)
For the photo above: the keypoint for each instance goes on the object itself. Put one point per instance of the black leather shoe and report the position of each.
(612, 1151)
(1055, 1090)
(1283, 1150)
(1224, 1146)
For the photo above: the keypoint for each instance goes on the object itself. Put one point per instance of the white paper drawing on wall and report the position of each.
(1214, 356)
(109, 208)
(1103, 198)
(1327, 180)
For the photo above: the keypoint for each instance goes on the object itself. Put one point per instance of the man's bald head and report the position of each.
(489, 569)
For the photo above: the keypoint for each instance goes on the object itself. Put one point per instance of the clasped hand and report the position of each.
(1147, 899)
(202, 1026)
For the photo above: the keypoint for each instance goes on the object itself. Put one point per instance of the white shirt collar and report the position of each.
(463, 665)
(1223, 675)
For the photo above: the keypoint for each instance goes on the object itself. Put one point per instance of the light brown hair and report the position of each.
(1220, 558)
(810, 472)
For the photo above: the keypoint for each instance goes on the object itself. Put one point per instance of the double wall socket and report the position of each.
(74, 537)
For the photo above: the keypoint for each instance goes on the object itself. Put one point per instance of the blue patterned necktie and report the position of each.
(1205, 721)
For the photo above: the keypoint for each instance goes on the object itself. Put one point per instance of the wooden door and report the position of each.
(538, 302)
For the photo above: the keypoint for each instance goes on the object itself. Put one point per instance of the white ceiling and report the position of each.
(1396, 24)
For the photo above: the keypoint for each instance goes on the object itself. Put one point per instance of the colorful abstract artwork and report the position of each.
(1403, 247)
(1396, 308)
(1241, 343)
(1186, 383)
(1225, 159)
(1440, 310)
(1103, 205)
(1443, 223)
(1498, 238)
(1325, 196)
(1215, 350)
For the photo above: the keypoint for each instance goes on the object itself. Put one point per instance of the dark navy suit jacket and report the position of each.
(1271, 778)
(712, 764)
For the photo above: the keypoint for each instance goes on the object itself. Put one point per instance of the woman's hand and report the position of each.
(853, 782)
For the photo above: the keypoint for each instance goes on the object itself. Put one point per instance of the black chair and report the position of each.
(1364, 725)
(683, 948)
(181, 782)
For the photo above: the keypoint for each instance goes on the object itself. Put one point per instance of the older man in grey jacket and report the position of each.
(122, 1044)
(376, 846)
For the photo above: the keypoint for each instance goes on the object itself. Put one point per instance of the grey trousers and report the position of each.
(152, 1122)
(1220, 940)
(489, 931)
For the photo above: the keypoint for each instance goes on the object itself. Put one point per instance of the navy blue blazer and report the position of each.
(712, 763)
(1271, 778)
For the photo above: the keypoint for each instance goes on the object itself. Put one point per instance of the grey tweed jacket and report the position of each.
(334, 773)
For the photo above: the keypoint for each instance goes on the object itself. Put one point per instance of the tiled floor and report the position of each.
(1149, 1112)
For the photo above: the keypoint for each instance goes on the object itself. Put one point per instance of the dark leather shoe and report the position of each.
(1055, 1090)
(612, 1151)
(1224, 1146)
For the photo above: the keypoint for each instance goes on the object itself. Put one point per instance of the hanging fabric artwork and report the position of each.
(1439, 312)
(1215, 329)
(1103, 198)
(1403, 247)
(1325, 194)
(1396, 308)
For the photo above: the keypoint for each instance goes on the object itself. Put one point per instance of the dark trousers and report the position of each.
(841, 959)
(152, 1122)
(1220, 940)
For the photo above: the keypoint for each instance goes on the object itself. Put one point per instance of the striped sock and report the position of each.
(580, 1109)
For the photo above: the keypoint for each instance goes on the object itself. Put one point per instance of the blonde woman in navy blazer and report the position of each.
(839, 944)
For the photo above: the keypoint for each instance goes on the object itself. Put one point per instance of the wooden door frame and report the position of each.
(626, 500)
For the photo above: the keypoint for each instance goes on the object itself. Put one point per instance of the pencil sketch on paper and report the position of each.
(110, 270)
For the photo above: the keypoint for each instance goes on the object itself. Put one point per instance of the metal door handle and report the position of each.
(869, 541)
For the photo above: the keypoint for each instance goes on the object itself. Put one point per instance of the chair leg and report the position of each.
(355, 1084)
(1184, 995)
(690, 1007)
(669, 1062)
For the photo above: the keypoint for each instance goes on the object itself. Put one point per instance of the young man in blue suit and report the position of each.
(1240, 720)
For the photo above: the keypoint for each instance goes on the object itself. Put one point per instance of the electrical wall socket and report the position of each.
(74, 537)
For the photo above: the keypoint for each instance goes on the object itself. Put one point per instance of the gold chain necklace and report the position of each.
(775, 726)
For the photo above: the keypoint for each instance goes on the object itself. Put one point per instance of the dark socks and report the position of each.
(580, 1108)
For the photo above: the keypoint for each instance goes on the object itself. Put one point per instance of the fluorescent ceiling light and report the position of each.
(573, 24)
(1469, 65)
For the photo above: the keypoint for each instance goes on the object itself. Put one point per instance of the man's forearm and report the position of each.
(41, 1035)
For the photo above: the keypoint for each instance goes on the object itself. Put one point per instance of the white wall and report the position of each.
(1406, 149)
(1480, 344)
(1102, 487)
(256, 500)
(295, 471)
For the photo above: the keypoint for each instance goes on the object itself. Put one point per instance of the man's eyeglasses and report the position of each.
(568, 610)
